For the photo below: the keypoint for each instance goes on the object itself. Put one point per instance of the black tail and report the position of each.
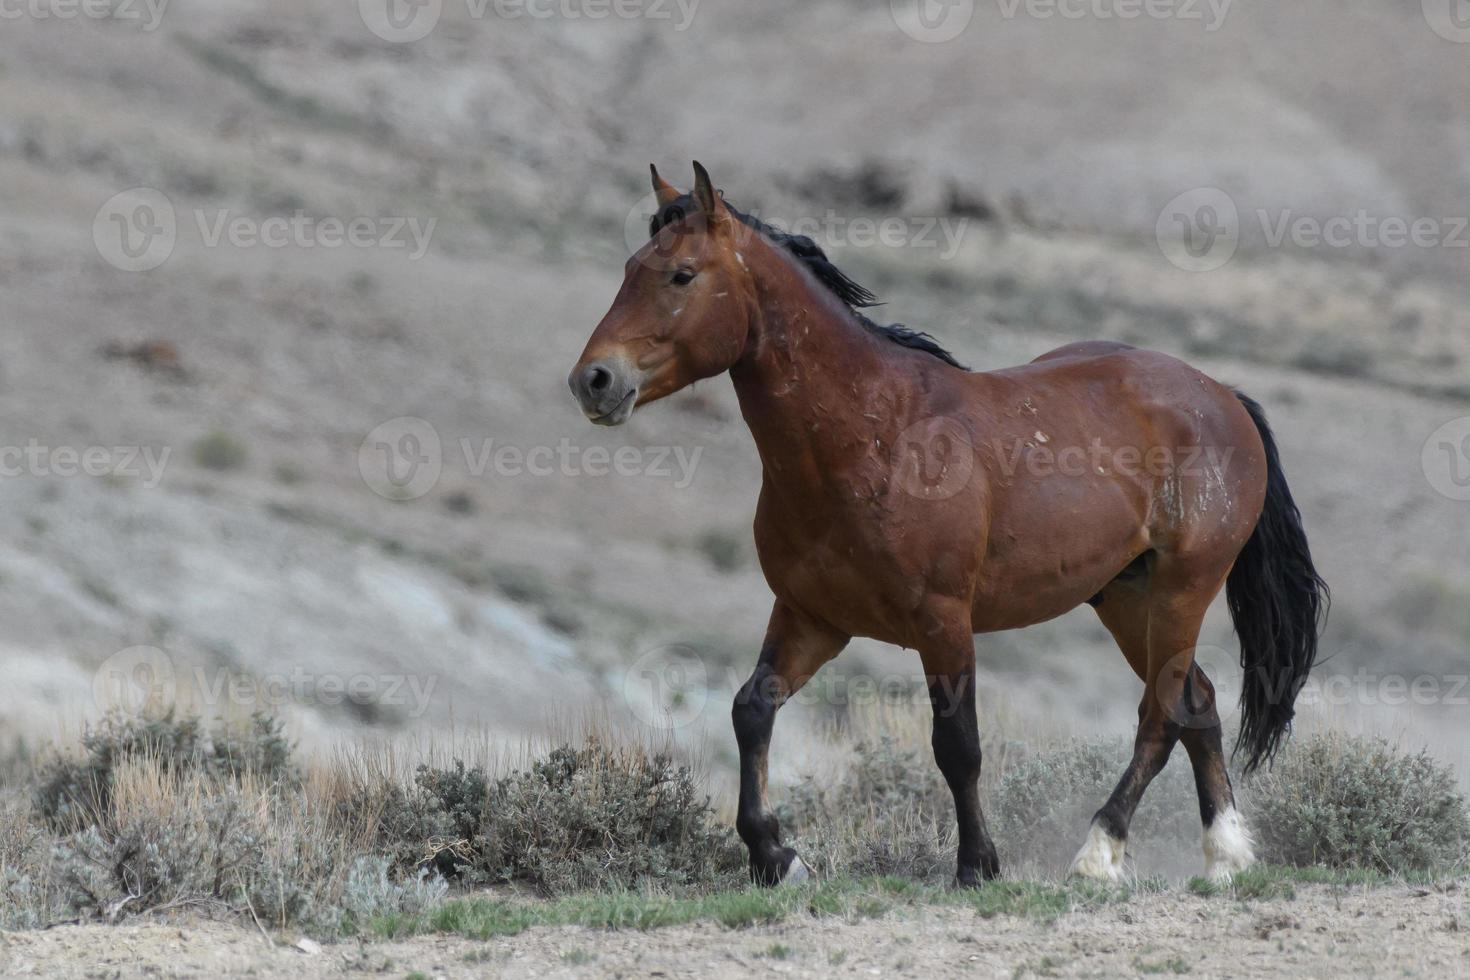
(1278, 603)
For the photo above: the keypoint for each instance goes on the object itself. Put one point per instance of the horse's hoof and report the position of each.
(1227, 846)
(969, 878)
(796, 871)
(1101, 857)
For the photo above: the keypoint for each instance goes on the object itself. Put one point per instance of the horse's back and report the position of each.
(1122, 380)
(1085, 348)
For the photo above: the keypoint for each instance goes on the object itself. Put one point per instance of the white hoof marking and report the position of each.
(1227, 846)
(1101, 857)
(796, 872)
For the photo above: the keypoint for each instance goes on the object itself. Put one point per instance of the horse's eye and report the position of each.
(683, 277)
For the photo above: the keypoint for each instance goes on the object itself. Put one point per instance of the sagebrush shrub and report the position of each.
(890, 813)
(596, 817)
(27, 900)
(1358, 803)
(438, 822)
(372, 891)
(73, 792)
(271, 851)
(159, 859)
(588, 817)
(164, 813)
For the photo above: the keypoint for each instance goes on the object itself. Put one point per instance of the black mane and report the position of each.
(856, 297)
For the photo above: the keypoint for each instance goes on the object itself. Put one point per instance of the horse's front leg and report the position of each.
(795, 647)
(950, 671)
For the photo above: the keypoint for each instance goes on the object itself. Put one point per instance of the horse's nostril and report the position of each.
(598, 379)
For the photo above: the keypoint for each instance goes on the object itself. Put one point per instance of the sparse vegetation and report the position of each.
(521, 583)
(724, 550)
(581, 818)
(848, 899)
(597, 817)
(889, 814)
(219, 450)
(170, 813)
(289, 474)
(1359, 803)
(76, 791)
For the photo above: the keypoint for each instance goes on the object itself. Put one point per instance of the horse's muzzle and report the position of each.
(605, 391)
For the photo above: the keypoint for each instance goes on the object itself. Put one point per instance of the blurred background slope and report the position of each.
(264, 559)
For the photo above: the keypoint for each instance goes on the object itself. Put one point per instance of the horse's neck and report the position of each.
(810, 376)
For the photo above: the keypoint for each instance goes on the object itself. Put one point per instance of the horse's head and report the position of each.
(683, 312)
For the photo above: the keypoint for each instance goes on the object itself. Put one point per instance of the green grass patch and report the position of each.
(1047, 901)
(1274, 881)
(1173, 964)
(485, 917)
(851, 900)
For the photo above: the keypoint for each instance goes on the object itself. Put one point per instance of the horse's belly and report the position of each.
(1055, 566)
(996, 610)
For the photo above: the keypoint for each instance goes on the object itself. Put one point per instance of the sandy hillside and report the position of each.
(260, 550)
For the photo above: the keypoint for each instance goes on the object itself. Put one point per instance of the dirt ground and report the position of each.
(1399, 931)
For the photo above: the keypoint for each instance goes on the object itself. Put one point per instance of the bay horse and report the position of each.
(909, 500)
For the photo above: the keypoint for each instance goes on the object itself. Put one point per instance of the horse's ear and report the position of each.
(709, 201)
(666, 192)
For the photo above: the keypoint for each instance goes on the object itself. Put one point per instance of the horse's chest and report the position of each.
(851, 577)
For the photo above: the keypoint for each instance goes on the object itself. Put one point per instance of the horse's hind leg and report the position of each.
(1227, 845)
(794, 649)
(1156, 624)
